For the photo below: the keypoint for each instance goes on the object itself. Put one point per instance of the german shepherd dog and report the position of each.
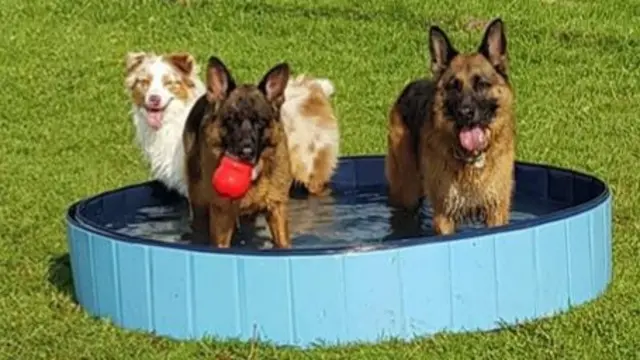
(242, 121)
(452, 139)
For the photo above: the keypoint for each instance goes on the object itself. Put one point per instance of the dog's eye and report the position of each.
(262, 123)
(480, 83)
(454, 85)
(228, 121)
(144, 82)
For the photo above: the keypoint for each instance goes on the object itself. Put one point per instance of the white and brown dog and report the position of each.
(164, 89)
(312, 131)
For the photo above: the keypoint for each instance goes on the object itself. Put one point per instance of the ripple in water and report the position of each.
(359, 217)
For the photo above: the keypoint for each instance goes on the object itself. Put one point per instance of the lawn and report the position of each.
(66, 134)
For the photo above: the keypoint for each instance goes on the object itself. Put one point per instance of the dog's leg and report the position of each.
(278, 222)
(498, 215)
(443, 224)
(222, 224)
(323, 166)
(199, 222)
(401, 167)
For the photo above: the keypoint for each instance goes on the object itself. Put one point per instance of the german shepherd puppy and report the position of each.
(452, 138)
(242, 121)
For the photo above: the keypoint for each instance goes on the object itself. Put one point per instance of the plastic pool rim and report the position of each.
(396, 243)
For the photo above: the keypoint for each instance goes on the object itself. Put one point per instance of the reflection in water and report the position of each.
(358, 217)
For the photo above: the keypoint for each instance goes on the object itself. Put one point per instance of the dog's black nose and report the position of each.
(155, 100)
(465, 112)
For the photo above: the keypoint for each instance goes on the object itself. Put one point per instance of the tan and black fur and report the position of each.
(425, 157)
(243, 121)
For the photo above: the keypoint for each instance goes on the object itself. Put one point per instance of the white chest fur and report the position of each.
(163, 148)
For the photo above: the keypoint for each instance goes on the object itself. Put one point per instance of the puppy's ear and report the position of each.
(133, 59)
(441, 50)
(183, 61)
(274, 82)
(219, 81)
(494, 46)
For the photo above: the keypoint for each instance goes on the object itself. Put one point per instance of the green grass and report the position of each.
(66, 134)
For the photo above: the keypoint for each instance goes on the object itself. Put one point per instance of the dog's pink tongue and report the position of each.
(154, 118)
(472, 138)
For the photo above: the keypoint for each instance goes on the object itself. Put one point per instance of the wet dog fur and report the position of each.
(425, 156)
(243, 121)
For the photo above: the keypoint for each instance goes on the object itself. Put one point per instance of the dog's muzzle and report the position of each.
(246, 150)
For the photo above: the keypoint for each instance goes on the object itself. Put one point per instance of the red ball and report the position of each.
(232, 178)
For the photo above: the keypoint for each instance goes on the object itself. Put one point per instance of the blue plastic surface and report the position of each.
(402, 289)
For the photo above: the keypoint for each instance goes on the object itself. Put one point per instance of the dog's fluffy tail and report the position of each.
(327, 86)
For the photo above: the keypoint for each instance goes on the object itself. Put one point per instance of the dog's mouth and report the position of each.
(248, 158)
(473, 141)
(155, 115)
(248, 155)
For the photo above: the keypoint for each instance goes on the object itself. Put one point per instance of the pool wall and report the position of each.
(402, 289)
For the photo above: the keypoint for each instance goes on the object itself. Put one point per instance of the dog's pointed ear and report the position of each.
(134, 58)
(441, 50)
(219, 80)
(274, 82)
(494, 46)
(183, 61)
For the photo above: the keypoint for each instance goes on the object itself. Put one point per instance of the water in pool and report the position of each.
(358, 217)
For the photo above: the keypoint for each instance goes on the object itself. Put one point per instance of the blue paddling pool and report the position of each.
(358, 270)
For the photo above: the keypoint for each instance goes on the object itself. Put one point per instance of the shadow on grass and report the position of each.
(60, 275)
